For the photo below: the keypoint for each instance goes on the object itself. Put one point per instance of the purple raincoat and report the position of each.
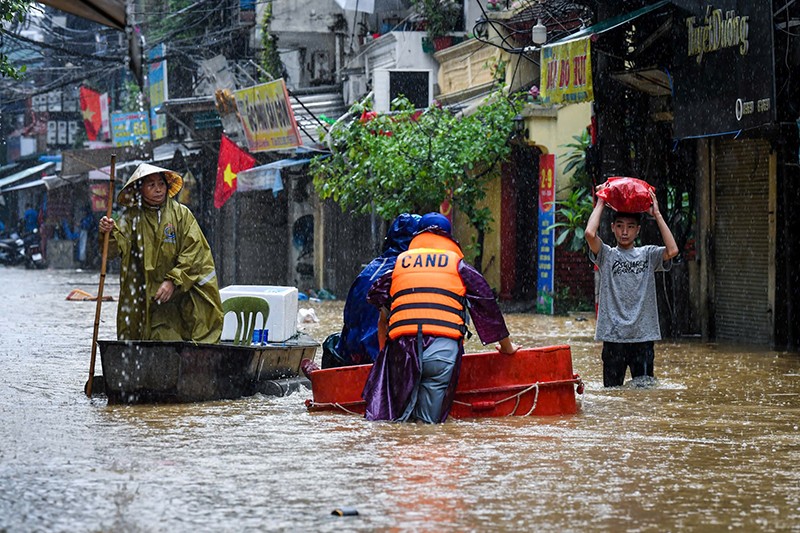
(397, 369)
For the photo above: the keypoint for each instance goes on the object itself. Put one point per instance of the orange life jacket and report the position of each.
(428, 295)
(432, 240)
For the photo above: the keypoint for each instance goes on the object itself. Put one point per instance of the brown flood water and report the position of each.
(712, 446)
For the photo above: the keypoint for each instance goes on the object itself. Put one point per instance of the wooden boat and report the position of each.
(179, 372)
(534, 381)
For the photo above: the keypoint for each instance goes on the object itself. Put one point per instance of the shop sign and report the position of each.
(267, 117)
(723, 78)
(546, 245)
(130, 129)
(566, 72)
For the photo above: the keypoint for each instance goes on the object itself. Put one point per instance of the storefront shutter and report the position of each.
(742, 242)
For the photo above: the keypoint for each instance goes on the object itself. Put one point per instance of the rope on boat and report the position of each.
(535, 401)
(517, 396)
(332, 404)
(579, 382)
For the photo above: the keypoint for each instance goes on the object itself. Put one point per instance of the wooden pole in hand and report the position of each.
(109, 203)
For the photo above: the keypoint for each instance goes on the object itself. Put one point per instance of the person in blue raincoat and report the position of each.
(358, 341)
(31, 218)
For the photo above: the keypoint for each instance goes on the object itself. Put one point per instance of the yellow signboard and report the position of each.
(566, 72)
(267, 117)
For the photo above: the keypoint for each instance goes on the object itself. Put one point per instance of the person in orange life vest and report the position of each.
(423, 303)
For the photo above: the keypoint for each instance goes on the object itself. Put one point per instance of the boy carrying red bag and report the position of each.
(627, 314)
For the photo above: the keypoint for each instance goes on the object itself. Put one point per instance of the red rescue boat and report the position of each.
(534, 381)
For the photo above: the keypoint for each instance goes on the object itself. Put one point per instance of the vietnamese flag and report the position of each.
(232, 160)
(90, 109)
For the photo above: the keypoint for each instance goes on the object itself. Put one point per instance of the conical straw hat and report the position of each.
(127, 196)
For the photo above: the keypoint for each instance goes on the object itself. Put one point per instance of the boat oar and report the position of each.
(110, 201)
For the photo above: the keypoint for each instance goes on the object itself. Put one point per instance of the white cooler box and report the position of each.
(282, 321)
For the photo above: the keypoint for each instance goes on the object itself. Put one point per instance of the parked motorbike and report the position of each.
(33, 250)
(12, 250)
(22, 250)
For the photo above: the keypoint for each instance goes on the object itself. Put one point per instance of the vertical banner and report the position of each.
(105, 127)
(159, 91)
(267, 117)
(566, 72)
(547, 217)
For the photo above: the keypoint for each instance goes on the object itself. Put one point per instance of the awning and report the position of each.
(29, 185)
(165, 152)
(100, 174)
(371, 6)
(652, 81)
(107, 12)
(104, 173)
(266, 176)
(613, 22)
(9, 166)
(21, 175)
(56, 181)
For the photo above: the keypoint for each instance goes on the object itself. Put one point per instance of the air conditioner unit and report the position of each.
(416, 85)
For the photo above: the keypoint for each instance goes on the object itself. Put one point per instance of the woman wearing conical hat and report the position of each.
(168, 283)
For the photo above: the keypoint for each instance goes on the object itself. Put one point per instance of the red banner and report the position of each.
(547, 183)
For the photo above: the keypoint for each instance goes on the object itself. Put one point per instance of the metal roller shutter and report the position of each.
(742, 242)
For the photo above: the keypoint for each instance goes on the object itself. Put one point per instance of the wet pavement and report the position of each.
(712, 446)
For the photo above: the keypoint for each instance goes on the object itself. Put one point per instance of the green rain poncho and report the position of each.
(158, 244)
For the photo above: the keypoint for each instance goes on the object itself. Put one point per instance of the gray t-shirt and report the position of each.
(628, 310)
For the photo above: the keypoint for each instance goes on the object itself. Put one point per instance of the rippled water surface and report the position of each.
(713, 446)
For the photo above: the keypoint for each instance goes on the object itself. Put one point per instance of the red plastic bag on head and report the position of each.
(627, 195)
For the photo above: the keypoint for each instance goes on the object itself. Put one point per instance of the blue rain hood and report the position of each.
(359, 339)
(400, 234)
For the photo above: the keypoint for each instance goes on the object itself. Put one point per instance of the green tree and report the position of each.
(172, 20)
(11, 11)
(132, 99)
(270, 58)
(411, 161)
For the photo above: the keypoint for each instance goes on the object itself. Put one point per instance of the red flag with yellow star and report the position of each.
(232, 160)
(90, 109)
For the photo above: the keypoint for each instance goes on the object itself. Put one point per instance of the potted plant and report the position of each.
(441, 17)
